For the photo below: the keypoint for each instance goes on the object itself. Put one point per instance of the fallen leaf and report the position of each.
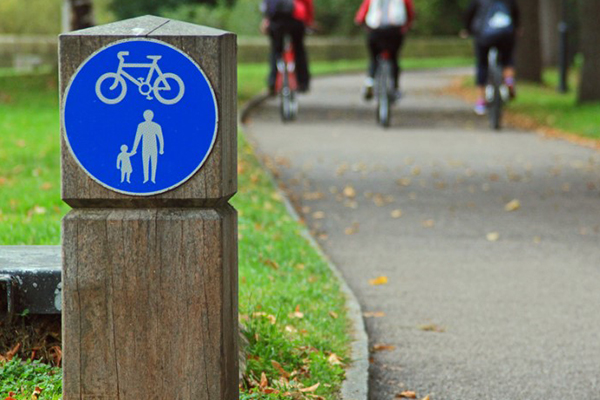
(512, 205)
(264, 382)
(407, 394)
(349, 192)
(11, 353)
(334, 359)
(382, 280)
(432, 328)
(537, 240)
(416, 171)
(318, 215)
(373, 314)
(333, 314)
(425, 398)
(310, 388)
(429, 223)
(404, 181)
(313, 196)
(297, 313)
(396, 213)
(351, 230)
(492, 236)
(280, 369)
(46, 186)
(383, 347)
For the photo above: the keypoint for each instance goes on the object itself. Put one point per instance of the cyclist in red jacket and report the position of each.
(290, 17)
(387, 21)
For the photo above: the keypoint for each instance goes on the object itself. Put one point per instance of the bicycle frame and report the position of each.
(139, 82)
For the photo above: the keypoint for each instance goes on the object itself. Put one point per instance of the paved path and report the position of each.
(481, 303)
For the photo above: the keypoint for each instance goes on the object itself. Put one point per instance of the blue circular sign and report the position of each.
(140, 117)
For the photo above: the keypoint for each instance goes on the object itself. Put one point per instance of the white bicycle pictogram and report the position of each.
(164, 85)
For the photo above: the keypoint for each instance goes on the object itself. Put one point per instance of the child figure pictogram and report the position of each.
(124, 164)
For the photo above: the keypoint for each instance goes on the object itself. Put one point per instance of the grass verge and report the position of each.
(290, 303)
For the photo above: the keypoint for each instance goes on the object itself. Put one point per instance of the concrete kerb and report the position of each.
(356, 384)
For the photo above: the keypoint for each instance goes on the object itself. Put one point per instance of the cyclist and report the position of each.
(386, 21)
(290, 17)
(493, 23)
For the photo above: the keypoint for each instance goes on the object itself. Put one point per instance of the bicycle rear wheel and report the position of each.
(383, 84)
(496, 102)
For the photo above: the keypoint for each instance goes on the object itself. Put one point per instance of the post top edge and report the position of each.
(148, 26)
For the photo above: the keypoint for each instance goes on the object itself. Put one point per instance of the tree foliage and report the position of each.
(19, 19)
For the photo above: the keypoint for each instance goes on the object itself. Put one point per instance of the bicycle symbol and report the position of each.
(168, 88)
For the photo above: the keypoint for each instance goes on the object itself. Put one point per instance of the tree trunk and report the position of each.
(82, 14)
(550, 17)
(589, 89)
(529, 54)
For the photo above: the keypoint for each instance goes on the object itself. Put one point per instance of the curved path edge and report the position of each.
(356, 384)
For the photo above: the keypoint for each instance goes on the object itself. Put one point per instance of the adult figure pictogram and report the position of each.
(149, 132)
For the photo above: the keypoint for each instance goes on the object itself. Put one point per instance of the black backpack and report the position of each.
(278, 7)
(496, 20)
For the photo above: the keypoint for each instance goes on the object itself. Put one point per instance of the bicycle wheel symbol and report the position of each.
(167, 85)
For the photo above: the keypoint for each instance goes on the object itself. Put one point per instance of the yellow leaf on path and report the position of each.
(373, 314)
(512, 205)
(493, 236)
(425, 398)
(407, 394)
(310, 388)
(396, 213)
(318, 215)
(416, 171)
(428, 223)
(349, 192)
(383, 347)
(537, 240)
(333, 314)
(432, 328)
(382, 280)
(404, 181)
(351, 230)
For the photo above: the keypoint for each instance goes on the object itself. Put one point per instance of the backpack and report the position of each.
(277, 7)
(386, 13)
(496, 20)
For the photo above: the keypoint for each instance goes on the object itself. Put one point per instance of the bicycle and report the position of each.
(286, 83)
(384, 89)
(496, 92)
(118, 89)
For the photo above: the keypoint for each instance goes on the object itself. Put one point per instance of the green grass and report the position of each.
(548, 107)
(22, 378)
(30, 205)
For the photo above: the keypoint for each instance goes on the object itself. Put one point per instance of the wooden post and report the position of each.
(149, 278)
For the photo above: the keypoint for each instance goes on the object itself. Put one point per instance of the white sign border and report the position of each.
(64, 126)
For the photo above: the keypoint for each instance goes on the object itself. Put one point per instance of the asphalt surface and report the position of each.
(481, 302)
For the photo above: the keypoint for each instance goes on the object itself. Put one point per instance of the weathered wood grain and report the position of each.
(150, 304)
(215, 52)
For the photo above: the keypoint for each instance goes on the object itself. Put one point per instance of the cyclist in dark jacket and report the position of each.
(294, 23)
(493, 23)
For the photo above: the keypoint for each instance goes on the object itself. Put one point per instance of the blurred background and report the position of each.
(28, 28)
